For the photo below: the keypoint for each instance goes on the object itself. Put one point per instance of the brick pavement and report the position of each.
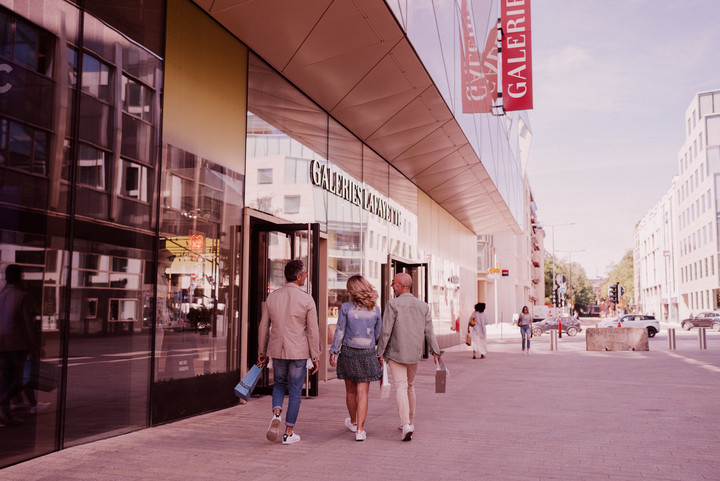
(567, 415)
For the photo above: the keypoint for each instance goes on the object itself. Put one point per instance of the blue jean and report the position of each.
(525, 332)
(288, 374)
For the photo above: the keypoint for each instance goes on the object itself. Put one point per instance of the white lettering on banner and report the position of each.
(478, 68)
(517, 57)
(346, 188)
(7, 86)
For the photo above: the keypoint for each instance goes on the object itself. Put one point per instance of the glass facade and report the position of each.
(130, 155)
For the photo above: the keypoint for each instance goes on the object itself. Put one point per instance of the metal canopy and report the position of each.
(354, 61)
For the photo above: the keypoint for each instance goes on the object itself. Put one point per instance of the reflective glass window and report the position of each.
(135, 181)
(91, 167)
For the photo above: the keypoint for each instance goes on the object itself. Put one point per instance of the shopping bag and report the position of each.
(245, 387)
(441, 375)
(468, 340)
(385, 383)
(39, 375)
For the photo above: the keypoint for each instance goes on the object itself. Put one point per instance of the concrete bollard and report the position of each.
(702, 339)
(671, 339)
(553, 340)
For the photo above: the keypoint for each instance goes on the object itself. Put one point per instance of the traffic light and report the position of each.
(613, 293)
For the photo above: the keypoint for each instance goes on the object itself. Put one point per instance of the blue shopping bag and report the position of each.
(245, 387)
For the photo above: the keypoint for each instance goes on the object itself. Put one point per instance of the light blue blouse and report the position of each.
(357, 327)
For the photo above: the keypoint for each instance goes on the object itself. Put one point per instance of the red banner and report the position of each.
(479, 70)
(516, 55)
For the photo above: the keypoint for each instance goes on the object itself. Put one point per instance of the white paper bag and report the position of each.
(385, 383)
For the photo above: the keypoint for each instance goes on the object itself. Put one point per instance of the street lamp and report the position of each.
(553, 253)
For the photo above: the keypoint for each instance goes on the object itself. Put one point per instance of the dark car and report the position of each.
(703, 319)
(570, 326)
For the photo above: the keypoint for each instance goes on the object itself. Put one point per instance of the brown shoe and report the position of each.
(473, 356)
(482, 356)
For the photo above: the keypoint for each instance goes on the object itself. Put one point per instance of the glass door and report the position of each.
(419, 273)
(271, 247)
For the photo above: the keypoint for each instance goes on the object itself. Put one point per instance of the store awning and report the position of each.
(353, 60)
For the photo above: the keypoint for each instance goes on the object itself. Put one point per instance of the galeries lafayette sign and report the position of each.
(348, 189)
(516, 55)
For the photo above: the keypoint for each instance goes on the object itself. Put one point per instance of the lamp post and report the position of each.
(553, 254)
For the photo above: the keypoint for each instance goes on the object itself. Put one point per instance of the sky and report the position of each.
(612, 80)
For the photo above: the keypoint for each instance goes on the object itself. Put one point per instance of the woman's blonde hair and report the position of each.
(362, 292)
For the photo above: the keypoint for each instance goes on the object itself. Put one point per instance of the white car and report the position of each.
(634, 320)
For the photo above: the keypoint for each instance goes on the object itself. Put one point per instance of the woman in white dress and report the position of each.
(477, 331)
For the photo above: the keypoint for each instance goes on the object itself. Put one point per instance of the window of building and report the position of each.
(291, 204)
(96, 78)
(134, 181)
(265, 176)
(26, 44)
(136, 99)
(91, 167)
(23, 147)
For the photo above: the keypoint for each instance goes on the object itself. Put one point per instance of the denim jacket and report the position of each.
(357, 327)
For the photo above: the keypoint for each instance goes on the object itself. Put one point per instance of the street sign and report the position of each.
(505, 272)
(562, 289)
(561, 279)
(493, 270)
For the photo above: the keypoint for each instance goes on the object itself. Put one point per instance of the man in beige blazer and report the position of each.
(294, 338)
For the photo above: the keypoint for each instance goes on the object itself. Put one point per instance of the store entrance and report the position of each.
(271, 245)
(418, 271)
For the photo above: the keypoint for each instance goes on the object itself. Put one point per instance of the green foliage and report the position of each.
(622, 273)
(578, 286)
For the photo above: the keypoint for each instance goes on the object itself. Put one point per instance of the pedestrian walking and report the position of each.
(406, 322)
(477, 331)
(18, 339)
(294, 338)
(525, 323)
(358, 329)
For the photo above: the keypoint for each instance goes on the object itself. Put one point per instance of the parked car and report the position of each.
(703, 319)
(570, 326)
(634, 320)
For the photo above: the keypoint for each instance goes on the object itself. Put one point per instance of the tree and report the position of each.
(578, 283)
(622, 273)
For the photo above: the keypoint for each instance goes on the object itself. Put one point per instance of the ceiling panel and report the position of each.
(352, 59)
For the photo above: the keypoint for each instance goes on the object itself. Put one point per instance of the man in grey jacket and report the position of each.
(293, 340)
(406, 322)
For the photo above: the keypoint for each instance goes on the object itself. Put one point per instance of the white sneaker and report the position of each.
(352, 427)
(407, 432)
(273, 428)
(360, 436)
(291, 439)
(40, 407)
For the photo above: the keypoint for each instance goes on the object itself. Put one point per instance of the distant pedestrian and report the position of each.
(358, 328)
(406, 322)
(477, 331)
(294, 338)
(525, 323)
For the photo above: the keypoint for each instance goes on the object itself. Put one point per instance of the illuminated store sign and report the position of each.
(348, 189)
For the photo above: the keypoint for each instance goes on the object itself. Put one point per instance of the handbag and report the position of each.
(384, 383)
(245, 387)
(39, 375)
(473, 321)
(441, 375)
(468, 340)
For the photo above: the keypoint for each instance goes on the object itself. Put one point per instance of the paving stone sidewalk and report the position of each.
(565, 415)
